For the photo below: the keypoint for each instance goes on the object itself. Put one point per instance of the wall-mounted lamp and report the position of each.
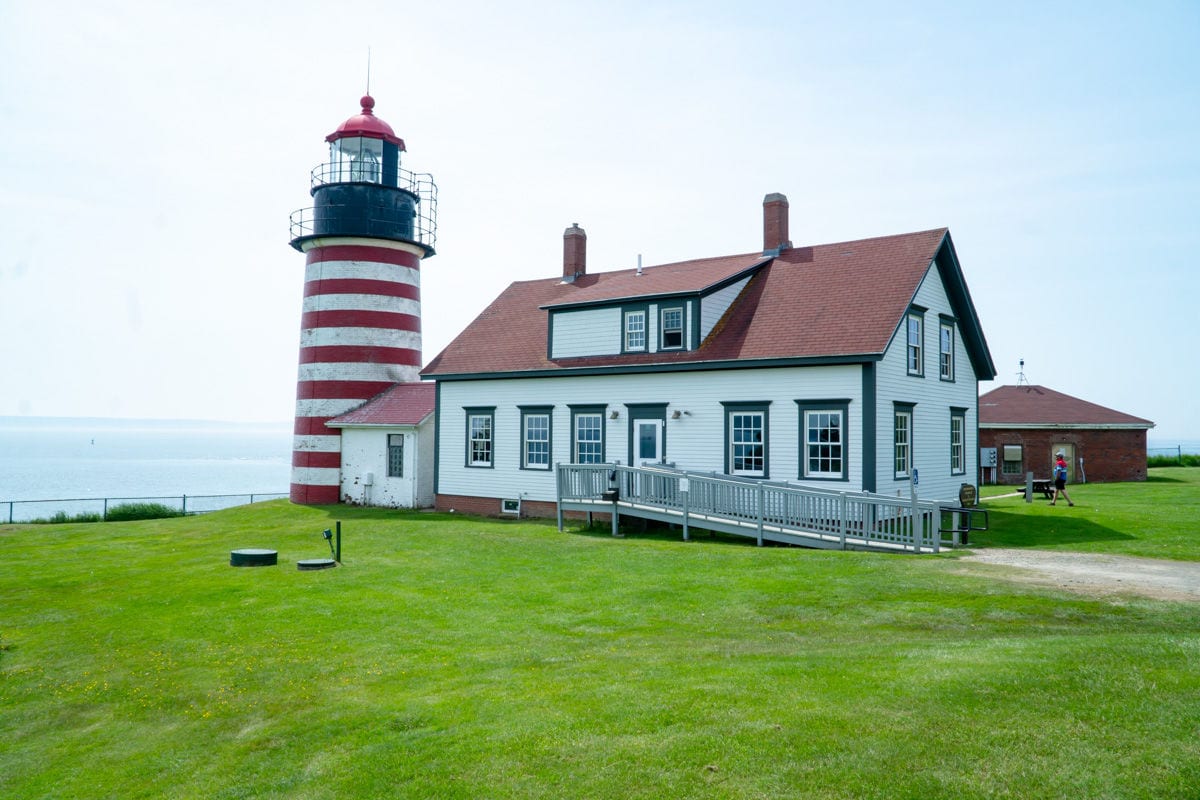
(676, 414)
(614, 415)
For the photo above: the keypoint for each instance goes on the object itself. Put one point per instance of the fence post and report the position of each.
(185, 505)
(684, 485)
(761, 502)
(105, 516)
(842, 510)
(917, 524)
(558, 493)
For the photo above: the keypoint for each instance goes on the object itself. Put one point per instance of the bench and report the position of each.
(1045, 486)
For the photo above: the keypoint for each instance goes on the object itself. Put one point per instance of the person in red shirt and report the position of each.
(1060, 478)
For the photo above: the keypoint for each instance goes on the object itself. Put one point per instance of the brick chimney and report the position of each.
(574, 253)
(775, 224)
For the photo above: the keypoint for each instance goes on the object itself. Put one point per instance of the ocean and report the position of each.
(51, 458)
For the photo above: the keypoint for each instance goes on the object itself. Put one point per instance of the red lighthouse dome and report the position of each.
(366, 124)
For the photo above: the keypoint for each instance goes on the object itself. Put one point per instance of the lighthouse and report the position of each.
(371, 224)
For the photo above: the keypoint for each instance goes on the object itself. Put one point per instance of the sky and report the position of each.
(153, 152)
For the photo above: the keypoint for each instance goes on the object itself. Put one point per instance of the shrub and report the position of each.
(131, 511)
(1184, 460)
(61, 517)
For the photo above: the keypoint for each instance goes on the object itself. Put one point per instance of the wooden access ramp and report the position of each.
(762, 510)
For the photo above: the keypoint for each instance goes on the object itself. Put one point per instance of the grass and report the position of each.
(454, 657)
(1158, 518)
(124, 512)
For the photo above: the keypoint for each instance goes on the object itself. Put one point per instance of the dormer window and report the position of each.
(635, 331)
(672, 328)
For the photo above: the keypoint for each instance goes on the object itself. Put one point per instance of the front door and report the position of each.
(647, 441)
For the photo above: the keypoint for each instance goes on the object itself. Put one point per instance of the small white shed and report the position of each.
(387, 449)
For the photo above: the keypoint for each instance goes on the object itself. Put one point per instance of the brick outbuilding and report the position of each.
(1028, 424)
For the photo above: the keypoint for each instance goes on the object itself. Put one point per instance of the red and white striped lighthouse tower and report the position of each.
(371, 224)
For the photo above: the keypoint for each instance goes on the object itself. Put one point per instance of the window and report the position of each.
(958, 434)
(635, 330)
(535, 437)
(587, 434)
(672, 328)
(823, 439)
(480, 427)
(1014, 457)
(746, 439)
(903, 440)
(916, 335)
(395, 455)
(946, 350)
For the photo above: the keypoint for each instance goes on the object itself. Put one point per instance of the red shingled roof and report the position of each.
(1027, 405)
(842, 299)
(403, 404)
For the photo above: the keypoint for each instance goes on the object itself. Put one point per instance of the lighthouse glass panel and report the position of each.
(357, 159)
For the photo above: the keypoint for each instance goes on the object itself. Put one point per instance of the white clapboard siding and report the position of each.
(933, 398)
(694, 441)
(588, 332)
(714, 306)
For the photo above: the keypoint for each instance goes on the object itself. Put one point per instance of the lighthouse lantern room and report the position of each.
(371, 224)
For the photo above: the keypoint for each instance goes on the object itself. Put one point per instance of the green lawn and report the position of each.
(454, 657)
(1159, 518)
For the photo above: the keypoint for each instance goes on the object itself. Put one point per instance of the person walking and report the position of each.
(1060, 478)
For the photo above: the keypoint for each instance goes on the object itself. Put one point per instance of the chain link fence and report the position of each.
(69, 510)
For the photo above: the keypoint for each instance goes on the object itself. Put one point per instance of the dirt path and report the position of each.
(1093, 574)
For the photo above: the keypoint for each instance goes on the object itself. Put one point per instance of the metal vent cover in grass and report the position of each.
(253, 557)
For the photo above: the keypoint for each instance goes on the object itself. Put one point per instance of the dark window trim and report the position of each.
(841, 405)
(899, 407)
(479, 411)
(683, 327)
(390, 463)
(919, 313)
(957, 412)
(644, 309)
(537, 411)
(578, 410)
(945, 321)
(751, 406)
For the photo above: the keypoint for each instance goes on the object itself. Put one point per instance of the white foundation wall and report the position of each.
(365, 451)
(694, 441)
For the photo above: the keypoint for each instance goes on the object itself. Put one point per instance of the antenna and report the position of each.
(368, 70)
(1021, 379)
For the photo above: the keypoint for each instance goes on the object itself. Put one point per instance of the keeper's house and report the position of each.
(849, 366)
(1027, 425)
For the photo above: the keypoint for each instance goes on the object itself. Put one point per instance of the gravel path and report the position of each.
(1093, 574)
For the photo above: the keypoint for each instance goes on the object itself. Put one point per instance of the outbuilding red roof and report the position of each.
(1037, 406)
(833, 300)
(403, 404)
